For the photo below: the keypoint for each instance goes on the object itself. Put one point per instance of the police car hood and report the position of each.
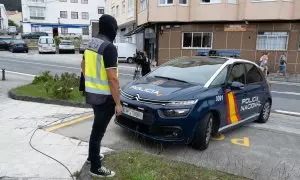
(162, 89)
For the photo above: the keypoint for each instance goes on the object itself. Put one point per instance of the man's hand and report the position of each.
(119, 109)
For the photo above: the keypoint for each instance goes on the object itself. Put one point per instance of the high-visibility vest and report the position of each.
(96, 81)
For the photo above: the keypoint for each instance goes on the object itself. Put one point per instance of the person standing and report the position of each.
(282, 65)
(264, 62)
(146, 64)
(100, 69)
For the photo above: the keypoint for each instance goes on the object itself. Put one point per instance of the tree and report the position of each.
(12, 23)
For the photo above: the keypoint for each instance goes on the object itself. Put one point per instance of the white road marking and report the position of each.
(287, 112)
(285, 83)
(24, 74)
(289, 93)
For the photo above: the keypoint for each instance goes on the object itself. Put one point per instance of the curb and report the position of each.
(286, 113)
(13, 95)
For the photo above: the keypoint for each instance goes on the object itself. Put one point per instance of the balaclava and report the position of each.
(108, 26)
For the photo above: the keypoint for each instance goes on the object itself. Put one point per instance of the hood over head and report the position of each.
(108, 26)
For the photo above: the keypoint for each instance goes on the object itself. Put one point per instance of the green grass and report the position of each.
(38, 90)
(138, 165)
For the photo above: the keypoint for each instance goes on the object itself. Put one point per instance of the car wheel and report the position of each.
(202, 133)
(265, 112)
(130, 60)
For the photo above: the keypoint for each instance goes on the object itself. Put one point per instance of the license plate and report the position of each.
(133, 113)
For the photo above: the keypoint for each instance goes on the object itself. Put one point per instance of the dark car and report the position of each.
(34, 35)
(18, 45)
(4, 43)
(190, 99)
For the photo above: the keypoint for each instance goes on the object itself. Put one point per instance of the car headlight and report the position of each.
(175, 112)
(182, 103)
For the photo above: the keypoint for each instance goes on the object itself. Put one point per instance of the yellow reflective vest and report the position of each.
(96, 81)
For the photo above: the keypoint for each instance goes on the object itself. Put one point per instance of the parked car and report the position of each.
(83, 46)
(70, 36)
(34, 35)
(190, 99)
(4, 43)
(126, 51)
(18, 45)
(46, 44)
(66, 46)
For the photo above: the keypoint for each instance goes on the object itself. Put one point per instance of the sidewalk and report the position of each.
(294, 78)
(18, 121)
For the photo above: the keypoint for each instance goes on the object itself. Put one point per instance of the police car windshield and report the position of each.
(195, 70)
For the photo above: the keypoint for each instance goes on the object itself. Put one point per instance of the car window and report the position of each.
(252, 74)
(237, 74)
(43, 41)
(50, 41)
(221, 78)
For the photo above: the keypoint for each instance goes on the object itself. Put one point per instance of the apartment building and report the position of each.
(62, 16)
(125, 13)
(3, 19)
(174, 28)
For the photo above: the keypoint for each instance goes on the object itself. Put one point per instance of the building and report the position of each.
(125, 13)
(3, 19)
(15, 16)
(62, 17)
(174, 28)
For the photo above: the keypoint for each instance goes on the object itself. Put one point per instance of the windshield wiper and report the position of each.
(169, 78)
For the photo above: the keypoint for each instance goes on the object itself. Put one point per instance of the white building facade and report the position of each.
(61, 17)
(3, 18)
(124, 12)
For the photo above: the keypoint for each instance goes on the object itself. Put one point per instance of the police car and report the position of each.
(190, 99)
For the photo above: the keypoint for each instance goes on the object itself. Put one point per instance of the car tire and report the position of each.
(130, 60)
(202, 133)
(73, 52)
(265, 112)
(59, 52)
(40, 52)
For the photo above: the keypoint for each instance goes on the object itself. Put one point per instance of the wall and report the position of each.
(170, 42)
(16, 18)
(4, 21)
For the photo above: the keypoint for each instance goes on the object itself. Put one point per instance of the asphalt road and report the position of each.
(286, 97)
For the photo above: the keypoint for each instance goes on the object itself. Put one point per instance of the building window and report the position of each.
(211, 1)
(113, 11)
(63, 0)
(37, 13)
(39, 1)
(183, 2)
(74, 15)
(64, 31)
(100, 10)
(130, 8)
(117, 10)
(85, 15)
(143, 5)
(63, 14)
(272, 41)
(123, 7)
(196, 40)
(35, 29)
(74, 1)
(165, 2)
(232, 1)
(85, 31)
(84, 1)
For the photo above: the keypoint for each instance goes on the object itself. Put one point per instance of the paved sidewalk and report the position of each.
(294, 78)
(18, 120)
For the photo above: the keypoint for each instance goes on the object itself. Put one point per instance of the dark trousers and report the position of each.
(103, 114)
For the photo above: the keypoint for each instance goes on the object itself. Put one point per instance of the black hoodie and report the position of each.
(108, 27)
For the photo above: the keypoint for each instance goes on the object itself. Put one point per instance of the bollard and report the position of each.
(3, 74)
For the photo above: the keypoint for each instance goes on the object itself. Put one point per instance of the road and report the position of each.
(286, 97)
(257, 151)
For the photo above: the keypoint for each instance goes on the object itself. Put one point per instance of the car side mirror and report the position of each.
(237, 85)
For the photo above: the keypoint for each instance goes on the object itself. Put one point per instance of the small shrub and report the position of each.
(45, 77)
(57, 40)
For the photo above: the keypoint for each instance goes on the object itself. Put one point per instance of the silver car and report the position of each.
(66, 46)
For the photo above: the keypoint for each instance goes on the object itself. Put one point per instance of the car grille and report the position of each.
(143, 100)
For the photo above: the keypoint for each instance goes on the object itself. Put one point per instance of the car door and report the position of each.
(255, 91)
(235, 94)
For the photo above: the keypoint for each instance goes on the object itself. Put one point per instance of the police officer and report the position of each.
(100, 69)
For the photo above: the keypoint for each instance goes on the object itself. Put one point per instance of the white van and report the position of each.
(46, 44)
(126, 51)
